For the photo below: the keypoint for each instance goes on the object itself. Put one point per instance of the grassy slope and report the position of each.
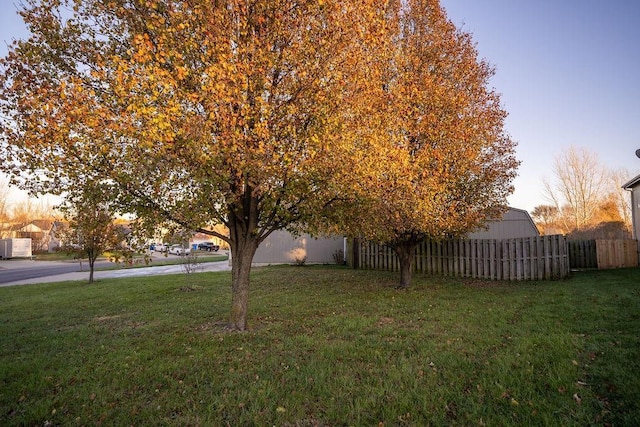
(327, 346)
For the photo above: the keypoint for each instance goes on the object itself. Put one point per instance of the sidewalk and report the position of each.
(107, 274)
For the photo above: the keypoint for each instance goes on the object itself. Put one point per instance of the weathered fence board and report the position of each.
(616, 253)
(603, 254)
(583, 254)
(530, 258)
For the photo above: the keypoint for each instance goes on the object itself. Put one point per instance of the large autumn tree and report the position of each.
(448, 163)
(240, 112)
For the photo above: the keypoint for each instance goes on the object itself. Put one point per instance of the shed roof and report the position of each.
(42, 225)
(514, 223)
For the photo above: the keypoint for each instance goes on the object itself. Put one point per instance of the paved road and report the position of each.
(55, 271)
(17, 270)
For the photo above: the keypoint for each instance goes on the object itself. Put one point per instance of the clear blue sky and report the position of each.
(568, 71)
(569, 74)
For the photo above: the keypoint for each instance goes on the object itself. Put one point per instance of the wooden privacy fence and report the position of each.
(617, 253)
(603, 254)
(583, 254)
(530, 258)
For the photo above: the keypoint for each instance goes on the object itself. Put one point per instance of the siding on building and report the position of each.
(635, 211)
(633, 187)
(514, 224)
(281, 247)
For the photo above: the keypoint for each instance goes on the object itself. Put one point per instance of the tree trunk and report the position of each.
(405, 252)
(244, 238)
(242, 253)
(92, 262)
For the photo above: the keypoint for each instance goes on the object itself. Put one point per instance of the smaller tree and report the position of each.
(91, 230)
(444, 164)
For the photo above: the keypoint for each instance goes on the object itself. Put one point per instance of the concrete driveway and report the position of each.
(105, 274)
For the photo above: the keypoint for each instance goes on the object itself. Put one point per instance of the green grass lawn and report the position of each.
(327, 346)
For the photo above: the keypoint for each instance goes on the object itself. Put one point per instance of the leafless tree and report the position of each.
(4, 200)
(579, 188)
(29, 209)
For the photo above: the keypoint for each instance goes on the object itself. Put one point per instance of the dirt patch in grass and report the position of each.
(191, 288)
(385, 321)
(215, 327)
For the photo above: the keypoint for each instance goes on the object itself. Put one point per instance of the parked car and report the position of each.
(179, 250)
(208, 246)
(161, 247)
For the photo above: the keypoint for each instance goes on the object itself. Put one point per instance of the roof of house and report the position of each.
(41, 224)
(631, 184)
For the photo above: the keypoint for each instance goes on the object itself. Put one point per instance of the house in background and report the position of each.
(38, 230)
(514, 224)
(57, 236)
(42, 233)
(633, 187)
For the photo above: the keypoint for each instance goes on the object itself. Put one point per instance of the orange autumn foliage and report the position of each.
(259, 115)
(448, 164)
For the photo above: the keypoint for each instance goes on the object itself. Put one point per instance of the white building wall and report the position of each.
(635, 211)
(15, 248)
(633, 187)
(281, 247)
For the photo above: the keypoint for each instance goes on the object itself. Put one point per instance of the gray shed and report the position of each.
(282, 247)
(515, 223)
